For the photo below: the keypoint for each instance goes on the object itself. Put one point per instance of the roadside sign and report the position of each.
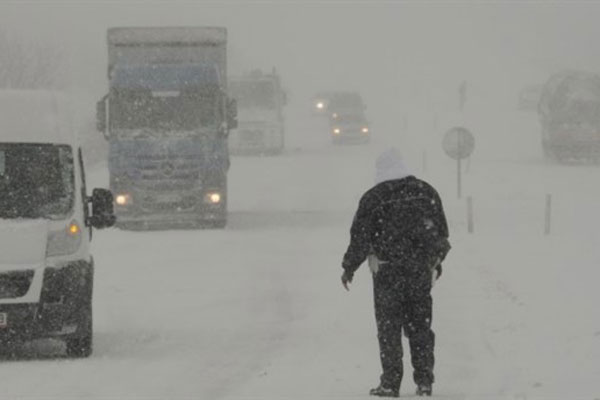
(458, 143)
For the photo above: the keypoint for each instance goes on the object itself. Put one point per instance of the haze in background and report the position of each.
(399, 55)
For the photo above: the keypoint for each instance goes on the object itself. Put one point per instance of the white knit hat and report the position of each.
(389, 166)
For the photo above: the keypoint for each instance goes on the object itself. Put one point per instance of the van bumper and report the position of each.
(66, 295)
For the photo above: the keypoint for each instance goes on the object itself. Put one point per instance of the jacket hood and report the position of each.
(389, 166)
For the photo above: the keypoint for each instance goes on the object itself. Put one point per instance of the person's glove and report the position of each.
(347, 279)
(437, 271)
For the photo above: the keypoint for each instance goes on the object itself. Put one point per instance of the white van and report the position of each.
(46, 270)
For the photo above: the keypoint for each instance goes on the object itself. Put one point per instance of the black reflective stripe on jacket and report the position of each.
(400, 221)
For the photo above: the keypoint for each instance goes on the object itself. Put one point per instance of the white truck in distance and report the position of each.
(261, 125)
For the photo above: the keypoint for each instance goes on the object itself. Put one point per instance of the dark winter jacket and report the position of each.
(402, 222)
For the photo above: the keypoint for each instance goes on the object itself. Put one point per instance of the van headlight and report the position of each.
(65, 241)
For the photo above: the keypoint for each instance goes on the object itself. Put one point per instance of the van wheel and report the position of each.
(80, 346)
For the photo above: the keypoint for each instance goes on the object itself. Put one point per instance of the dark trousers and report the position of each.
(403, 302)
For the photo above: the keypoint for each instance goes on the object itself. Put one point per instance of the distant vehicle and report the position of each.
(349, 128)
(569, 113)
(261, 126)
(529, 98)
(329, 103)
(167, 118)
(46, 270)
(345, 112)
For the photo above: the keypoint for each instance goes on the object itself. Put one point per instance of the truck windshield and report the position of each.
(168, 110)
(36, 181)
(253, 94)
(580, 101)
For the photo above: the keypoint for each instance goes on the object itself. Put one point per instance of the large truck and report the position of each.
(569, 113)
(167, 118)
(260, 100)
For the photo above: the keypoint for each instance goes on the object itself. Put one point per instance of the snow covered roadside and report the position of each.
(257, 311)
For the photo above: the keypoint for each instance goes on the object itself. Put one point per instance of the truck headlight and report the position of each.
(123, 199)
(337, 131)
(65, 241)
(320, 105)
(213, 198)
(365, 130)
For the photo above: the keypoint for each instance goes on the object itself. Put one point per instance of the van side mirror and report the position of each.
(232, 121)
(101, 115)
(103, 214)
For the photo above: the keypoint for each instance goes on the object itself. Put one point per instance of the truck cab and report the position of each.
(46, 222)
(167, 118)
(260, 100)
(569, 113)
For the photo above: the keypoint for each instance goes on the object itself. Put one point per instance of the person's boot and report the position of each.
(383, 391)
(424, 390)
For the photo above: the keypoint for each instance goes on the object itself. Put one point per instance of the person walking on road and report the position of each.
(400, 227)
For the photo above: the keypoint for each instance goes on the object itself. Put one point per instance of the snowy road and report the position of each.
(256, 311)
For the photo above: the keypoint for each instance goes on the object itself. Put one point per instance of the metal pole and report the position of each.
(548, 215)
(458, 177)
(458, 164)
(470, 222)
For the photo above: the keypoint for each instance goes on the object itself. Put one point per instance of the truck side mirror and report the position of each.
(101, 124)
(284, 98)
(103, 215)
(232, 121)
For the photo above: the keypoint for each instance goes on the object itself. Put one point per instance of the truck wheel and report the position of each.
(80, 346)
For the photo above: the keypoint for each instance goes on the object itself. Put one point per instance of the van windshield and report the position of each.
(36, 181)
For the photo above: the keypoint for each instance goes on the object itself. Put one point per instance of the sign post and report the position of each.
(458, 144)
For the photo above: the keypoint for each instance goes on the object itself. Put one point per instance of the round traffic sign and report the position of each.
(458, 143)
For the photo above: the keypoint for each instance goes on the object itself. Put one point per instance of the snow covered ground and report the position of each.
(257, 311)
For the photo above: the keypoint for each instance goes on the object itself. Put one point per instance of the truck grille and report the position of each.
(160, 173)
(15, 284)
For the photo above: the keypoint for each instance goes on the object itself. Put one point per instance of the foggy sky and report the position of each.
(393, 52)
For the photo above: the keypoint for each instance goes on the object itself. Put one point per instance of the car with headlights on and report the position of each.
(349, 128)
